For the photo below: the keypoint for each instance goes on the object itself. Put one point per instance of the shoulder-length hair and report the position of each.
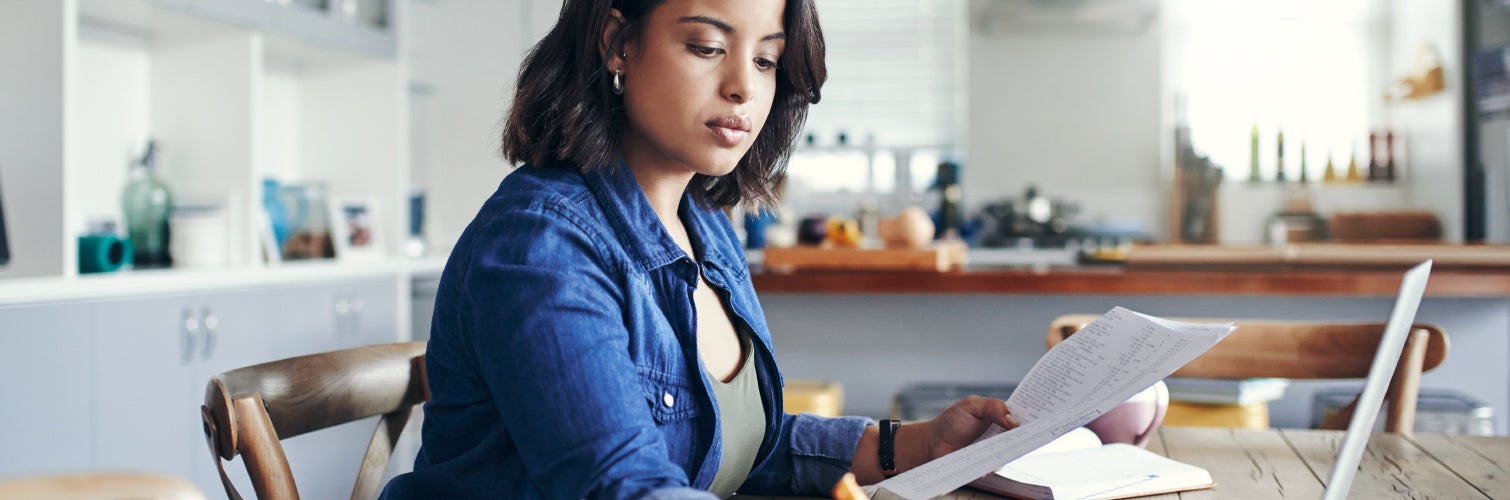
(565, 114)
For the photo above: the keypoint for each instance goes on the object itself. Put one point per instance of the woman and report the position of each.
(596, 334)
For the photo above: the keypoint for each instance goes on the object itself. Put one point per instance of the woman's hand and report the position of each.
(963, 422)
(920, 442)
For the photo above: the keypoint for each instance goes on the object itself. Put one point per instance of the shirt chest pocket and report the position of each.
(671, 398)
(673, 403)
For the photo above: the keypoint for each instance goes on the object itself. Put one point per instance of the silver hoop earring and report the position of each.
(618, 85)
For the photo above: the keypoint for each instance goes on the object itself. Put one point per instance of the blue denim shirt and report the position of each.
(563, 361)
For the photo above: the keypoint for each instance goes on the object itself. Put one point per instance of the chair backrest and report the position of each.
(247, 411)
(1301, 350)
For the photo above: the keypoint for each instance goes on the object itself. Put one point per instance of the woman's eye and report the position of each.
(704, 51)
(764, 63)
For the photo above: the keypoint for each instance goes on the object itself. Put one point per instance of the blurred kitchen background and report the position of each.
(311, 163)
(1062, 118)
(1055, 121)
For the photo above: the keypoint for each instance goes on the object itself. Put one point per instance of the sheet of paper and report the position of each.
(1086, 375)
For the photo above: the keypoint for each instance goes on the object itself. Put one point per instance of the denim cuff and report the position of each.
(822, 450)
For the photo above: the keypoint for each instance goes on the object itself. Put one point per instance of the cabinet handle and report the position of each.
(189, 327)
(356, 316)
(343, 309)
(211, 333)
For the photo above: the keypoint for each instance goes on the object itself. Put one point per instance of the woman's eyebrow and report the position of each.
(725, 27)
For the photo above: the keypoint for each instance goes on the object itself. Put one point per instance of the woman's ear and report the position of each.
(611, 45)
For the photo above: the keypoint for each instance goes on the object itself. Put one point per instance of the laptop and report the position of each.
(1412, 287)
(4, 244)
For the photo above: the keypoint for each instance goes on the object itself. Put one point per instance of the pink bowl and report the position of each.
(1133, 421)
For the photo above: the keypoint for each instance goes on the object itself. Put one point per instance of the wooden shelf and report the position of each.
(1117, 281)
(1319, 269)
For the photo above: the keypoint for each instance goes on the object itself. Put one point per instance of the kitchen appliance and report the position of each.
(1034, 220)
(1486, 121)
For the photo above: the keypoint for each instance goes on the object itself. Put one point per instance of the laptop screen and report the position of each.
(1412, 287)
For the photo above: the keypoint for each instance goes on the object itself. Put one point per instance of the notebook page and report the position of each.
(1121, 470)
(1086, 375)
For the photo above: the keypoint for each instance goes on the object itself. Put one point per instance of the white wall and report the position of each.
(1432, 127)
(1078, 115)
(33, 36)
(465, 56)
(114, 89)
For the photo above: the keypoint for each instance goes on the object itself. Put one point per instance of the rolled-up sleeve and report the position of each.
(810, 455)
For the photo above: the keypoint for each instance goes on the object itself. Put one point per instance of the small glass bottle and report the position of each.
(1353, 175)
(1279, 165)
(1389, 156)
(1253, 175)
(1330, 175)
(1304, 178)
(146, 202)
(1375, 168)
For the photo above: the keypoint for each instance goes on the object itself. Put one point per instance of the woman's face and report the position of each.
(698, 83)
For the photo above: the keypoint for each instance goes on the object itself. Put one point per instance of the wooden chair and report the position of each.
(1297, 350)
(99, 486)
(248, 410)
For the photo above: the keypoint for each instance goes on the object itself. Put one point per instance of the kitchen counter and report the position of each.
(24, 291)
(1464, 271)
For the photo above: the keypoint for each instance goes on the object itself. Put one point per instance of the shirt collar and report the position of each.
(641, 231)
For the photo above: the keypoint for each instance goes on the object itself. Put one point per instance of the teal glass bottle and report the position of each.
(146, 202)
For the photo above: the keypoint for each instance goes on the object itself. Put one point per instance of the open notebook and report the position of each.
(1412, 287)
(1078, 466)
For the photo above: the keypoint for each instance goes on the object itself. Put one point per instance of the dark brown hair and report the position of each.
(565, 114)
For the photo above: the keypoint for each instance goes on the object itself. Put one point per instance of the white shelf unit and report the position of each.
(235, 91)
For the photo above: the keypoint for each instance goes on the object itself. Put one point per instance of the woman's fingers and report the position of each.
(992, 409)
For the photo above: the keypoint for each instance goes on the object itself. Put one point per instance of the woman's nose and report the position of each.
(739, 81)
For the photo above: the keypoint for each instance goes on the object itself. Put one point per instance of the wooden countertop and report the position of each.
(1461, 271)
(1292, 463)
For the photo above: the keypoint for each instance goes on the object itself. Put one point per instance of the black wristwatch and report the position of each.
(887, 448)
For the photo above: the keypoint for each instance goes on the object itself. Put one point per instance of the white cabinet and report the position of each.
(317, 318)
(237, 91)
(155, 357)
(116, 384)
(326, 317)
(44, 381)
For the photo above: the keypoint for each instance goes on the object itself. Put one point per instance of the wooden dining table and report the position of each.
(1295, 463)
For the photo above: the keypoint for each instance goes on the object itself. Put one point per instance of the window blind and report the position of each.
(894, 72)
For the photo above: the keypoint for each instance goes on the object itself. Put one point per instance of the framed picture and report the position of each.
(267, 240)
(355, 229)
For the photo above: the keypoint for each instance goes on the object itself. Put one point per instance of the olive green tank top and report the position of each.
(741, 424)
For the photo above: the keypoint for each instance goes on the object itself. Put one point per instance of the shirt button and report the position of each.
(668, 400)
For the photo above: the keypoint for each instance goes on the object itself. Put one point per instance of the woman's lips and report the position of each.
(730, 130)
(728, 137)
